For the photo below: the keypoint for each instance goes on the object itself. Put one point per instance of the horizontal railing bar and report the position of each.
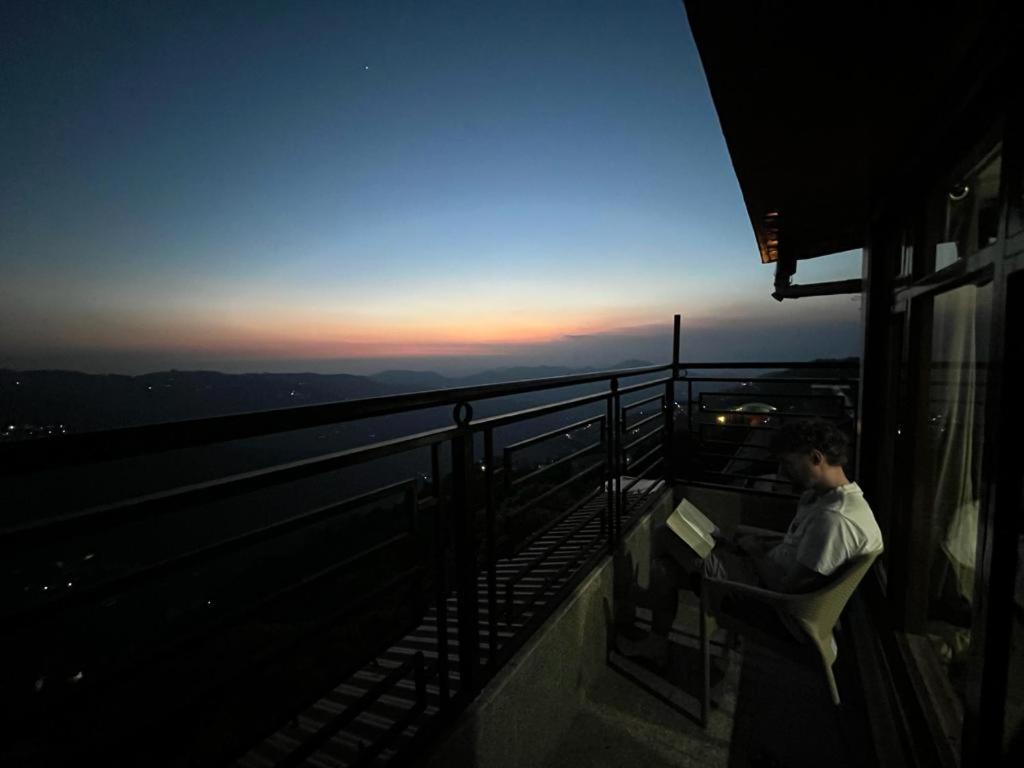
(733, 444)
(553, 433)
(769, 414)
(737, 488)
(742, 476)
(558, 463)
(502, 420)
(637, 462)
(282, 527)
(782, 395)
(646, 420)
(634, 443)
(93, 447)
(643, 385)
(839, 381)
(627, 408)
(759, 365)
(220, 488)
(555, 489)
(734, 457)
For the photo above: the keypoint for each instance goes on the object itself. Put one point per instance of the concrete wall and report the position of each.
(522, 715)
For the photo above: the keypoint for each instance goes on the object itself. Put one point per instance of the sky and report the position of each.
(349, 186)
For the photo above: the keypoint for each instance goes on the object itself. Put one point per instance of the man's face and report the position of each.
(801, 468)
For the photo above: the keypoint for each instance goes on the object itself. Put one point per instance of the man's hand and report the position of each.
(727, 542)
(750, 544)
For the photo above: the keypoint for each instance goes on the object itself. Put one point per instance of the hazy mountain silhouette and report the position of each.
(86, 402)
(426, 380)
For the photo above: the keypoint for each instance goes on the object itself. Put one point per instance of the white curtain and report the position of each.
(956, 488)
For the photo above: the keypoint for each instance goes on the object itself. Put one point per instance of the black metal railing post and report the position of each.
(670, 397)
(670, 426)
(615, 432)
(492, 572)
(607, 430)
(464, 523)
(689, 410)
(440, 574)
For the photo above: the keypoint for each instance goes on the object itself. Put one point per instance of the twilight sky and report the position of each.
(346, 186)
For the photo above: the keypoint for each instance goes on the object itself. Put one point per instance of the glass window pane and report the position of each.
(1013, 723)
(964, 214)
(955, 433)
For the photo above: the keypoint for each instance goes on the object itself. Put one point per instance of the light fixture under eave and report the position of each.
(770, 237)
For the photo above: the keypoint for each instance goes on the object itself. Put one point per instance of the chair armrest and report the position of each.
(724, 587)
(764, 533)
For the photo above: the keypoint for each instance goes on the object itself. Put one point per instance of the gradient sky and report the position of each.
(344, 185)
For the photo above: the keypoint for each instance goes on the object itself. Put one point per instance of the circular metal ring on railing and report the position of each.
(684, 372)
(463, 414)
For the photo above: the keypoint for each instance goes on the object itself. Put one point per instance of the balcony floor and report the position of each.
(768, 712)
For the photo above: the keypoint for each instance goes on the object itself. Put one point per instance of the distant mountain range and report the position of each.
(33, 402)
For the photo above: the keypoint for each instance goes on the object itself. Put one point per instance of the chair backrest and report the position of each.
(818, 612)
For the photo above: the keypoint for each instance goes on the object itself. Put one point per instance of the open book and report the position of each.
(693, 527)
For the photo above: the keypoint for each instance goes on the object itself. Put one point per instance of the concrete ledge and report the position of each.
(520, 718)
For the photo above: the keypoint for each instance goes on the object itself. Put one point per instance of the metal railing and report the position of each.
(729, 445)
(481, 590)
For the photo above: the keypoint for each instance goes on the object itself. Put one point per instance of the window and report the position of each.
(952, 482)
(963, 214)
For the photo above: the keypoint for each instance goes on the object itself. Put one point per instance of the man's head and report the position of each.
(812, 454)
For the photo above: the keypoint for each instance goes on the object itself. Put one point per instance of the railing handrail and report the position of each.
(106, 445)
(806, 364)
(462, 505)
(124, 442)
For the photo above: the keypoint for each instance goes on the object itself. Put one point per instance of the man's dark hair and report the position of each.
(814, 434)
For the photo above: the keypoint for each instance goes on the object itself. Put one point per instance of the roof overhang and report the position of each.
(787, 82)
(822, 105)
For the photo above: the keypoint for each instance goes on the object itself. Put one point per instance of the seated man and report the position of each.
(833, 523)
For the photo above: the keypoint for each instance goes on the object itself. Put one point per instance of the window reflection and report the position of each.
(964, 215)
(955, 430)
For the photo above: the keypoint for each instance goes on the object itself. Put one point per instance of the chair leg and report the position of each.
(705, 655)
(832, 687)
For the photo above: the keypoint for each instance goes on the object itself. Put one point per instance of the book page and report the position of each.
(693, 527)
